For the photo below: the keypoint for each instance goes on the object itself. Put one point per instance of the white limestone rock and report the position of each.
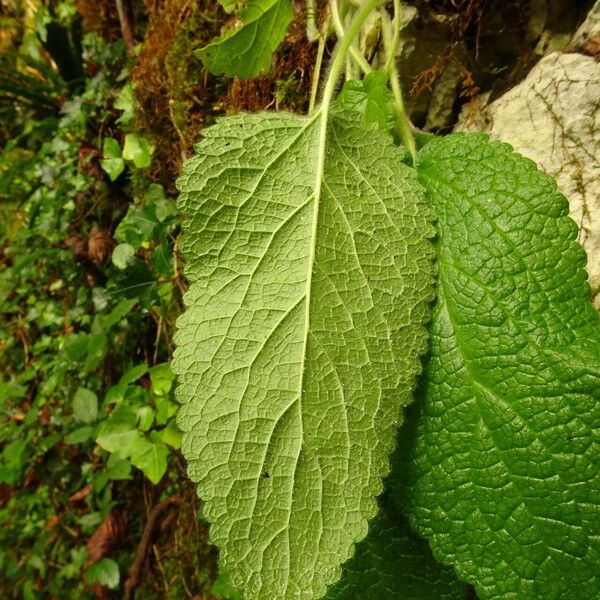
(553, 117)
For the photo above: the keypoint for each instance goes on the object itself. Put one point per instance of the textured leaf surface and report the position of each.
(391, 563)
(370, 97)
(246, 51)
(310, 271)
(502, 464)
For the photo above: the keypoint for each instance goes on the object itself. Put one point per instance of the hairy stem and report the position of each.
(318, 64)
(360, 60)
(312, 31)
(342, 49)
(403, 125)
(391, 53)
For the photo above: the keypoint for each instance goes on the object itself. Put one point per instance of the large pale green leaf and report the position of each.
(246, 50)
(310, 271)
(501, 465)
(392, 563)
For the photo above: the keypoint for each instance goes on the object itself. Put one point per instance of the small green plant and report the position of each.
(309, 243)
(87, 289)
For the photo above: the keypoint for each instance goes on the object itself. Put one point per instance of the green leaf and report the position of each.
(150, 457)
(80, 435)
(104, 572)
(115, 394)
(85, 406)
(162, 259)
(125, 103)
(136, 227)
(138, 149)
(133, 374)
(161, 378)
(229, 5)
(119, 432)
(102, 323)
(222, 587)
(12, 462)
(391, 563)
(164, 208)
(112, 162)
(122, 255)
(11, 391)
(246, 51)
(118, 468)
(501, 469)
(145, 415)
(165, 409)
(370, 97)
(97, 345)
(310, 268)
(171, 435)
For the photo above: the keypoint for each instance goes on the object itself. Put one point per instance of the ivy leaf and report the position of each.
(310, 268)
(150, 457)
(119, 432)
(161, 378)
(138, 149)
(125, 103)
(500, 469)
(391, 563)
(371, 97)
(112, 163)
(246, 51)
(136, 227)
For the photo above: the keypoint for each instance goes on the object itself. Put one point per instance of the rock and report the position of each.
(590, 28)
(560, 20)
(441, 105)
(553, 117)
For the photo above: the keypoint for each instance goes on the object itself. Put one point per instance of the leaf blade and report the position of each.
(500, 460)
(274, 321)
(246, 51)
(391, 562)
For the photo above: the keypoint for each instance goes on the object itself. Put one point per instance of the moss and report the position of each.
(192, 92)
(176, 97)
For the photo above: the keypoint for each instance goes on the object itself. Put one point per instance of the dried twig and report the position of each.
(137, 565)
(125, 19)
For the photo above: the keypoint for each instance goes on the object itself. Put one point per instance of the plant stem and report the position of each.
(403, 125)
(360, 60)
(391, 58)
(312, 31)
(318, 64)
(339, 55)
(127, 29)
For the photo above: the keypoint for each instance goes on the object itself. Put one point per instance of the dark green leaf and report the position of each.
(105, 572)
(392, 563)
(246, 51)
(80, 435)
(500, 460)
